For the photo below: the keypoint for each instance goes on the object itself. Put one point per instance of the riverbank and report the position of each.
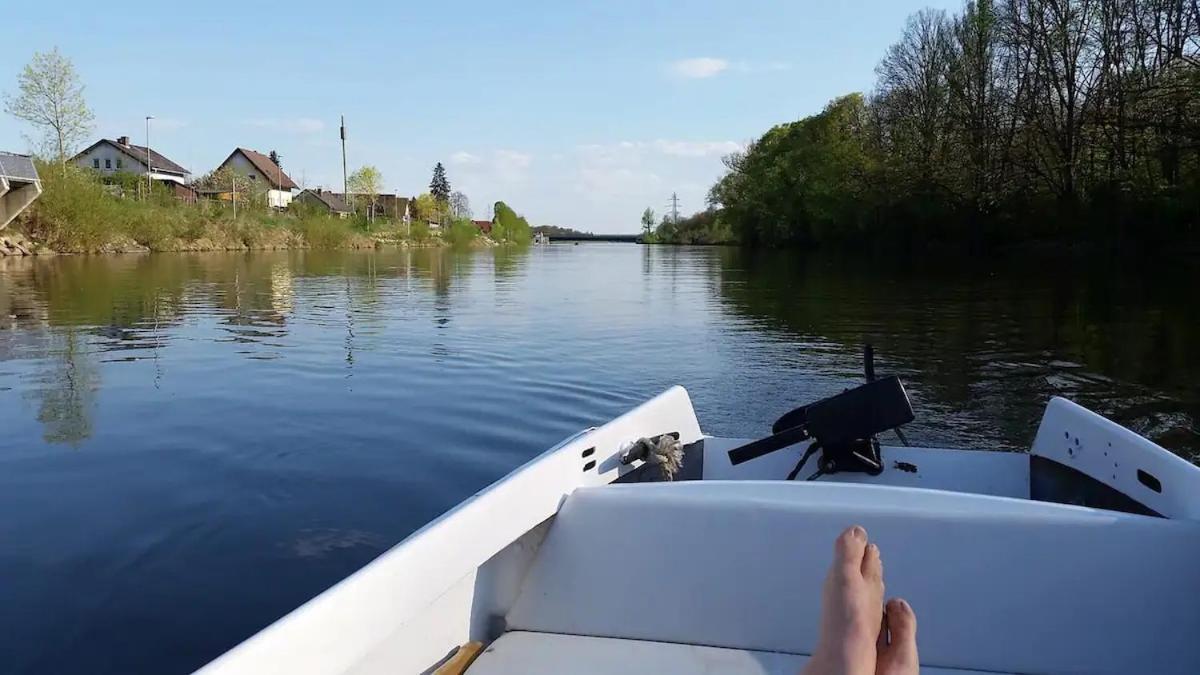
(78, 214)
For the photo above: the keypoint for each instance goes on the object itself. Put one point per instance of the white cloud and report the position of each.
(511, 160)
(696, 148)
(292, 125)
(698, 68)
(625, 151)
(464, 158)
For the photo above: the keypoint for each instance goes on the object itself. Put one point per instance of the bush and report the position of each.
(460, 232)
(79, 211)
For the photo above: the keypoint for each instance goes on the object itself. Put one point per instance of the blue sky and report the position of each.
(575, 113)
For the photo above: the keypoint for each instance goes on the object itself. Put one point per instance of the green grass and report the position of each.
(77, 213)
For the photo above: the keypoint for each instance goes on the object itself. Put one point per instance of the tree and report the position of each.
(275, 158)
(367, 181)
(508, 226)
(426, 209)
(50, 97)
(238, 186)
(460, 206)
(439, 187)
(647, 221)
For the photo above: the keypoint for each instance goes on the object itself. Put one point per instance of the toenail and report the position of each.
(858, 533)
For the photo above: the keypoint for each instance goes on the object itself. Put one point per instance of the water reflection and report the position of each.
(999, 337)
(262, 424)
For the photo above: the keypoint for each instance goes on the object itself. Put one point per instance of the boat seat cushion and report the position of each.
(550, 654)
(999, 584)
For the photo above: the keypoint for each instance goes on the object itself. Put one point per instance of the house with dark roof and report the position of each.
(112, 156)
(387, 205)
(324, 200)
(259, 167)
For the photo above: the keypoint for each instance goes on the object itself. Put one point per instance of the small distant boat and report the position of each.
(19, 185)
(1079, 556)
(541, 238)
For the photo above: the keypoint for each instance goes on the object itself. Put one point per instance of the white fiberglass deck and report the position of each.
(557, 569)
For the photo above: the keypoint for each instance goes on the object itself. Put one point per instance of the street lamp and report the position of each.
(149, 169)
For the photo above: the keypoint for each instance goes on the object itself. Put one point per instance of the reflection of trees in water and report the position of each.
(997, 336)
(509, 262)
(66, 392)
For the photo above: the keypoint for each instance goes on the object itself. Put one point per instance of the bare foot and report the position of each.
(851, 609)
(898, 655)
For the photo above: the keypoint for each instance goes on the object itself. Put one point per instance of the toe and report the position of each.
(849, 550)
(900, 656)
(872, 564)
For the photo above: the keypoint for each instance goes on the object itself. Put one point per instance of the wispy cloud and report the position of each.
(697, 68)
(464, 158)
(511, 160)
(292, 125)
(703, 67)
(631, 150)
(696, 148)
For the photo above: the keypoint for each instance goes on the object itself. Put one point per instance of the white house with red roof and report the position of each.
(259, 167)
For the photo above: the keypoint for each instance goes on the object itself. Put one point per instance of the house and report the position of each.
(485, 226)
(324, 200)
(109, 157)
(387, 205)
(259, 167)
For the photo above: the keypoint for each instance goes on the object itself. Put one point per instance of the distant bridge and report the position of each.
(623, 238)
(19, 186)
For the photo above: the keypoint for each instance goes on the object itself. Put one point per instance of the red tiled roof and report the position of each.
(485, 226)
(270, 170)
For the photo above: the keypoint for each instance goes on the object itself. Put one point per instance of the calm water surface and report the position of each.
(192, 445)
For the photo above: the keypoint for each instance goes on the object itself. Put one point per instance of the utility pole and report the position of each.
(345, 178)
(149, 169)
(278, 179)
(674, 208)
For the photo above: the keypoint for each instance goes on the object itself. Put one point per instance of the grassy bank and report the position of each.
(77, 213)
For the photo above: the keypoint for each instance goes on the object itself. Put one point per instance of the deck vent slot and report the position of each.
(1149, 481)
(588, 453)
(590, 465)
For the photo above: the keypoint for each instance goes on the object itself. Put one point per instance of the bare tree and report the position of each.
(50, 97)
(914, 92)
(460, 206)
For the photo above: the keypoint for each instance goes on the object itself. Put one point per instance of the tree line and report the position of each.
(1008, 121)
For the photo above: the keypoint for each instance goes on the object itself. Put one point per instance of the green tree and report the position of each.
(367, 181)
(439, 186)
(426, 209)
(50, 97)
(647, 221)
(507, 226)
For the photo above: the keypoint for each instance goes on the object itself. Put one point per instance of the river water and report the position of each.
(192, 445)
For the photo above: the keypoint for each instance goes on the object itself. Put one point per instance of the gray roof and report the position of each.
(138, 152)
(331, 200)
(19, 167)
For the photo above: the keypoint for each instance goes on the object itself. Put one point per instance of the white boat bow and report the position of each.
(1078, 556)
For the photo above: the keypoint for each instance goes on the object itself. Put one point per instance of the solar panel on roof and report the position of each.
(19, 167)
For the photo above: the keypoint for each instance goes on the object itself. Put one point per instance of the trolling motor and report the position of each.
(842, 427)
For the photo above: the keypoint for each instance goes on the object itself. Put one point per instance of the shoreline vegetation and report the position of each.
(1012, 123)
(81, 212)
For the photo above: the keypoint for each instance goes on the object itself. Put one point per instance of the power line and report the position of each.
(674, 206)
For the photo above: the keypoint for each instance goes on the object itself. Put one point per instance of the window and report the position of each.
(118, 162)
(253, 177)
(96, 163)
(108, 163)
